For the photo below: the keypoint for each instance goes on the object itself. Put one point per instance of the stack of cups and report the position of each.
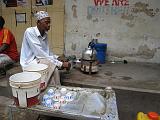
(50, 93)
(56, 105)
(62, 100)
(56, 96)
(69, 97)
(46, 101)
(56, 99)
(49, 103)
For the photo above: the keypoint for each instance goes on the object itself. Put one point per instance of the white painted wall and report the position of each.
(130, 29)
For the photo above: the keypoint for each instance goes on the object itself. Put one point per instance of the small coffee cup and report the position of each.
(50, 92)
(56, 96)
(62, 100)
(63, 91)
(48, 103)
(56, 105)
(69, 97)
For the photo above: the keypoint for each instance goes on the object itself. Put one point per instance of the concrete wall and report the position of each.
(129, 27)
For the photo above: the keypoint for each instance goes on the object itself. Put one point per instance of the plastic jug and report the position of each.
(148, 116)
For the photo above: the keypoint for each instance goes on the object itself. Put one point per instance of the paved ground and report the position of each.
(137, 87)
(132, 76)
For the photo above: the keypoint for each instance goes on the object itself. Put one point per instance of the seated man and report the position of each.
(35, 49)
(8, 47)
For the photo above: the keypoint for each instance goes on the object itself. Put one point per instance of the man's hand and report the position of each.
(62, 58)
(3, 47)
(66, 65)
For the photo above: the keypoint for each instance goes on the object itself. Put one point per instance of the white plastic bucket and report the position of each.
(25, 88)
(40, 68)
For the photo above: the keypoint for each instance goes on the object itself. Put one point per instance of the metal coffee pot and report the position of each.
(89, 54)
(89, 61)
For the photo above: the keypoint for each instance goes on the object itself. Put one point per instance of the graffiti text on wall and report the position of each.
(113, 2)
(106, 7)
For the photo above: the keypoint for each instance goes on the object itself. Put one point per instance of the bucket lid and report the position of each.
(35, 67)
(101, 45)
(25, 79)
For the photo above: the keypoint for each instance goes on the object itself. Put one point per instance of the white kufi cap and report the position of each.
(41, 14)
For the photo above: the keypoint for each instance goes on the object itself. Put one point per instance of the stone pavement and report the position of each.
(132, 76)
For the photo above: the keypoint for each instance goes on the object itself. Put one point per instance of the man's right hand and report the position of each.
(62, 58)
(66, 65)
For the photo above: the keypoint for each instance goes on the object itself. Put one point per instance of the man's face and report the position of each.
(45, 23)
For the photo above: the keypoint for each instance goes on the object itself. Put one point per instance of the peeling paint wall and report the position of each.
(130, 28)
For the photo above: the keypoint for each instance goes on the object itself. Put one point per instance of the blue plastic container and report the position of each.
(101, 52)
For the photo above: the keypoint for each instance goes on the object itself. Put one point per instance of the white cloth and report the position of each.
(53, 73)
(41, 14)
(35, 46)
